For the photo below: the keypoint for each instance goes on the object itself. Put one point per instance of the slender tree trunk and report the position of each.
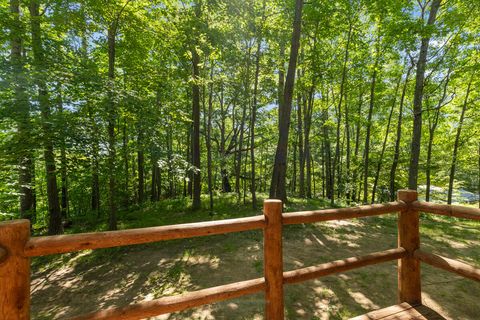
(63, 157)
(336, 159)
(307, 120)
(301, 155)
(348, 188)
(126, 156)
(356, 150)
(432, 125)
(457, 143)
(384, 145)
(208, 144)
(112, 118)
(366, 154)
(21, 109)
(55, 219)
(277, 186)
(396, 154)
(197, 187)
(417, 101)
(141, 168)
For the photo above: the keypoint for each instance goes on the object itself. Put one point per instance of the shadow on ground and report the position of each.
(74, 284)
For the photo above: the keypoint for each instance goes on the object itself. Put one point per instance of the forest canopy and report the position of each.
(106, 105)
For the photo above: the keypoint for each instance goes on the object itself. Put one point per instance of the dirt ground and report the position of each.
(74, 284)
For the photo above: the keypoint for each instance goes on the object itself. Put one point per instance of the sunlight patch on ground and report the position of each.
(212, 262)
(428, 301)
(363, 301)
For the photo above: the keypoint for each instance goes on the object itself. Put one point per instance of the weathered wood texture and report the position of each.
(409, 288)
(14, 271)
(447, 264)
(273, 260)
(403, 311)
(328, 268)
(448, 210)
(188, 300)
(41, 246)
(342, 213)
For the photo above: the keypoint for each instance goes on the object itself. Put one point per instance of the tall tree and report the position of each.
(40, 72)
(277, 186)
(418, 96)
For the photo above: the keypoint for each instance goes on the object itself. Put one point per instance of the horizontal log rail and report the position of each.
(42, 246)
(343, 213)
(448, 210)
(338, 266)
(448, 264)
(178, 303)
(16, 248)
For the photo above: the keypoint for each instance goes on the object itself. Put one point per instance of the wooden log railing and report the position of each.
(16, 248)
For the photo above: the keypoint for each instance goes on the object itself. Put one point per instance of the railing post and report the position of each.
(14, 271)
(409, 289)
(273, 260)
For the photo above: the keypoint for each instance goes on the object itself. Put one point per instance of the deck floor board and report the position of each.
(403, 311)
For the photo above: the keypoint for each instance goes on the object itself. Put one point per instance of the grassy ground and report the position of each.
(71, 284)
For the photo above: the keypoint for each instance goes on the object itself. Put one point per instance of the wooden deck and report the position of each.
(403, 311)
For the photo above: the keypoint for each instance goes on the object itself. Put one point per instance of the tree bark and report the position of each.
(55, 219)
(277, 186)
(112, 117)
(453, 166)
(396, 154)
(141, 168)
(384, 145)
(22, 116)
(366, 154)
(336, 159)
(417, 101)
(432, 126)
(197, 187)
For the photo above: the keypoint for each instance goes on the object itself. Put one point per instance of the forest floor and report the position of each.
(72, 284)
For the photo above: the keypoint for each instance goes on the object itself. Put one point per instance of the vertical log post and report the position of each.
(273, 260)
(409, 289)
(14, 271)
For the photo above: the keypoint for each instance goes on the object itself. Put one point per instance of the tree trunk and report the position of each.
(366, 153)
(141, 168)
(208, 143)
(197, 187)
(301, 156)
(457, 143)
(277, 186)
(55, 219)
(417, 101)
(112, 117)
(307, 120)
(336, 159)
(432, 125)
(63, 157)
(253, 117)
(21, 109)
(384, 145)
(396, 154)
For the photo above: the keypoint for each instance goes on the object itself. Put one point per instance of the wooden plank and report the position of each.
(342, 213)
(337, 266)
(409, 287)
(403, 311)
(42, 246)
(14, 271)
(273, 260)
(385, 312)
(447, 264)
(448, 210)
(178, 303)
